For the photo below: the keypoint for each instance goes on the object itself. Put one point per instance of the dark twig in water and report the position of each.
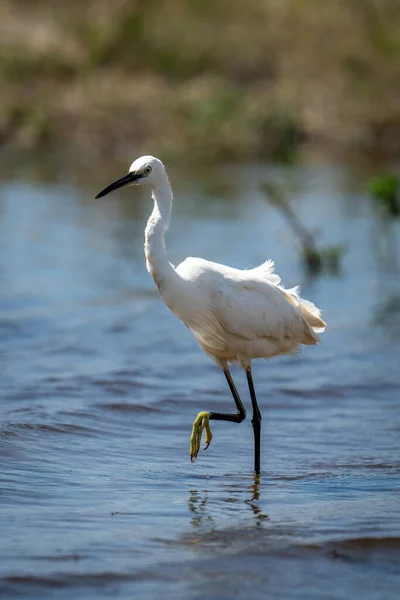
(315, 259)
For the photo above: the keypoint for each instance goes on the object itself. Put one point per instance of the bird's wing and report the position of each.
(252, 309)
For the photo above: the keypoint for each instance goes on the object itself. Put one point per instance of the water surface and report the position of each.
(100, 385)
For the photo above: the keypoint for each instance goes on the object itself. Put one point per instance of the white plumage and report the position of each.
(235, 315)
(241, 315)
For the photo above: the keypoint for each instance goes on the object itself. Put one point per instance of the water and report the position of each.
(100, 385)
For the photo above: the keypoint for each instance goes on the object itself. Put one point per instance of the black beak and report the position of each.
(125, 180)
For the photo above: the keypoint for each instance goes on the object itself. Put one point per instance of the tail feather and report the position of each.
(312, 315)
(309, 312)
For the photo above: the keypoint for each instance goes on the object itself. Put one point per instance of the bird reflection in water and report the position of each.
(198, 504)
(198, 507)
(253, 502)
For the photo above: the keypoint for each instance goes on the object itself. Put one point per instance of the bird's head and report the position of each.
(144, 170)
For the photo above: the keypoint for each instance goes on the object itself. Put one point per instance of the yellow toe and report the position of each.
(201, 422)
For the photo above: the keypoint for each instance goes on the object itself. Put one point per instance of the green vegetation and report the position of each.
(385, 192)
(223, 78)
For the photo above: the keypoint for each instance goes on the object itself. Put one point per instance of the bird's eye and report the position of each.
(147, 170)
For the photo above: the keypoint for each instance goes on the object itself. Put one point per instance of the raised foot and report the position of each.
(201, 422)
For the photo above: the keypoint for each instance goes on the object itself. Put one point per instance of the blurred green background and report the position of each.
(226, 79)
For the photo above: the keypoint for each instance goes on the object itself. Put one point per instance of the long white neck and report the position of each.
(154, 247)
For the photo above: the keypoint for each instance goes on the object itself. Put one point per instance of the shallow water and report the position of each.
(100, 385)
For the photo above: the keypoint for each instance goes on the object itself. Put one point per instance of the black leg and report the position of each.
(256, 422)
(201, 422)
(241, 411)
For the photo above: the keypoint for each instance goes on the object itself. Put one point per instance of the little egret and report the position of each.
(234, 315)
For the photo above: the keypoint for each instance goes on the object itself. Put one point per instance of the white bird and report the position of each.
(234, 315)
